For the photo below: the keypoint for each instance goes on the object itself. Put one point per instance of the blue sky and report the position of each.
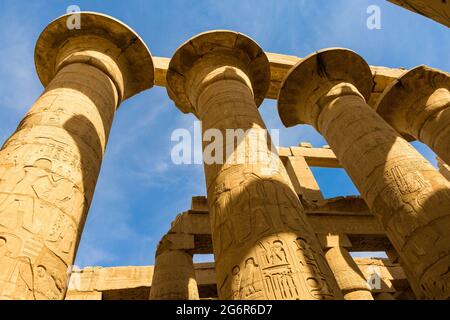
(140, 191)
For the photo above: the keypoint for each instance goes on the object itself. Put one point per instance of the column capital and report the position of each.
(406, 101)
(314, 76)
(102, 42)
(329, 240)
(218, 49)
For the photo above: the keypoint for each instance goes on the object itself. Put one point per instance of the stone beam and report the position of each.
(280, 64)
(335, 84)
(49, 166)
(315, 157)
(438, 10)
(134, 283)
(342, 215)
(97, 283)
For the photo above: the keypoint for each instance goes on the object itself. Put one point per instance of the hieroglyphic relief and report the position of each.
(273, 272)
(277, 268)
(312, 267)
(256, 216)
(406, 193)
(47, 181)
(277, 271)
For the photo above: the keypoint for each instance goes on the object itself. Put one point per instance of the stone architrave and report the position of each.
(329, 90)
(50, 165)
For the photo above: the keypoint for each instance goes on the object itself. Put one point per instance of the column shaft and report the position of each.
(50, 165)
(174, 277)
(404, 190)
(48, 171)
(350, 279)
(263, 245)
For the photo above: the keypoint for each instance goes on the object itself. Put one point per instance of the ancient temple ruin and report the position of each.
(273, 234)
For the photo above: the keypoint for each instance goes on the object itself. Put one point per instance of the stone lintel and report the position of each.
(316, 157)
(101, 279)
(342, 215)
(280, 64)
(176, 241)
(97, 282)
(330, 240)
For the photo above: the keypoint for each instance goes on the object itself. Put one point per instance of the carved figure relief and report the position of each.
(316, 280)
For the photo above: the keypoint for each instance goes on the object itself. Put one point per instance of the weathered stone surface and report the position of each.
(350, 279)
(417, 105)
(266, 223)
(132, 281)
(438, 10)
(49, 166)
(91, 295)
(392, 276)
(174, 277)
(412, 200)
(314, 157)
(280, 64)
(258, 225)
(303, 180)
(114, 278)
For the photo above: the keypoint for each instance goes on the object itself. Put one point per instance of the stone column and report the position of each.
(349, 277)
(329, 90)
(49, 166)
(174, 277)
(264, 248)
(417, 105)
(347, 274)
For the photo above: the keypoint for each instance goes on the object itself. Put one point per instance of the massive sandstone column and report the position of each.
(417, 105)
(329, 90)
(348, 276)
(174, 277)
(263, 245)
(49, 166)
(174, 273)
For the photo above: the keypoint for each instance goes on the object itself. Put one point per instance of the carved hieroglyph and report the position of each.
(263, 245)
(412, 200)
(49, 166)
(417, 105)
